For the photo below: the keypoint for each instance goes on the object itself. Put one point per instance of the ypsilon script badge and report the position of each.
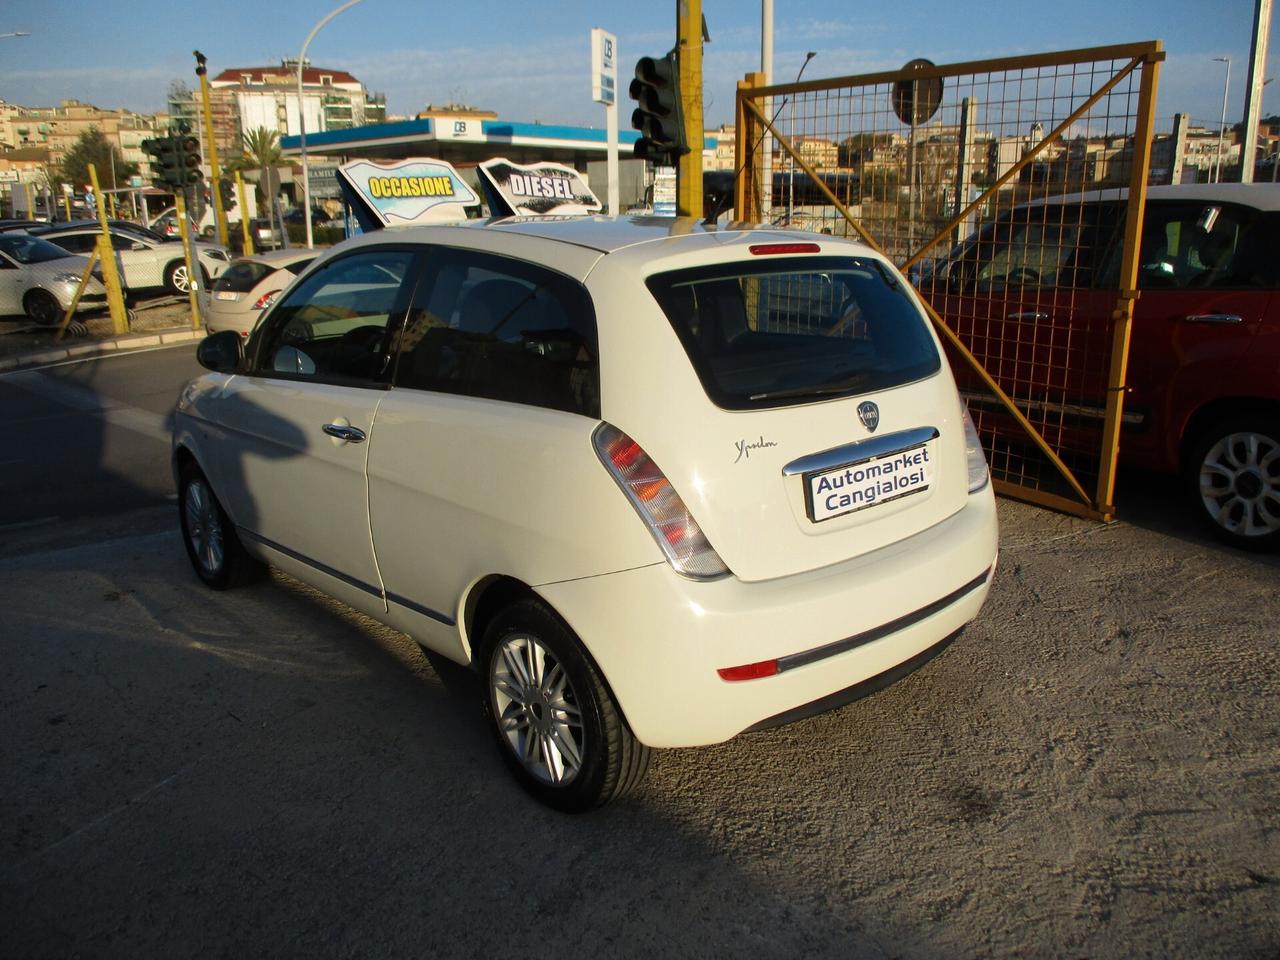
(869, 414)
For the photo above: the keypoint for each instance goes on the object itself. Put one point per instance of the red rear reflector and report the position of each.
(749, 671)
(764, 249)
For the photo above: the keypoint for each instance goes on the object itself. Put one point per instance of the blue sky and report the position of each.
(529, 61)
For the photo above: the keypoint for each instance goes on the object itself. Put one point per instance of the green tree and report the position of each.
(93, 147)
(261, 152)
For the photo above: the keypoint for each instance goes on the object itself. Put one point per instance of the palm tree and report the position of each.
(261, 152)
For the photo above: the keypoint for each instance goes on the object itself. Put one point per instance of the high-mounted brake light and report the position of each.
(658, 504)
(765, 249)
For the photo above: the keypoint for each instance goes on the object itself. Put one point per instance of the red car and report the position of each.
(1032, 294)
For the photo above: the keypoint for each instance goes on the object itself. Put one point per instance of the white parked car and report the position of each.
(40, 279)
(147, 260)
(657, 485)
(250, 285)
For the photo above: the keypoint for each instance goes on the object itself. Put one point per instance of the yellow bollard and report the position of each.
(115, 296)
(184, 230)
(244, 217)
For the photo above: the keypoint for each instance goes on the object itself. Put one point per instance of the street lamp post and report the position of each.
(1222, 126)
(302, 120)
(791, 129)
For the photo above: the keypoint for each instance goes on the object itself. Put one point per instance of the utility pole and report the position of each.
(1253, 89)
(766, 144)
(689, 57)
(219, 217)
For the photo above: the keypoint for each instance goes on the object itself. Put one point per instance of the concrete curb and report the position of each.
(80, 351)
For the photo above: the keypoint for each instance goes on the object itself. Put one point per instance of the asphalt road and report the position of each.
(89, 438)
(1091, 771)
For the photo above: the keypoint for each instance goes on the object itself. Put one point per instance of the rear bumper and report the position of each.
(660, 639)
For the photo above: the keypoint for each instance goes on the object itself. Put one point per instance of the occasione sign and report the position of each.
(410, 191)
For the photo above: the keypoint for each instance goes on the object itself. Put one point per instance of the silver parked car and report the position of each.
(249, 286)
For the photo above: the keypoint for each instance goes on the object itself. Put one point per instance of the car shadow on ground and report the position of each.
(269, 767)
(1159, 502)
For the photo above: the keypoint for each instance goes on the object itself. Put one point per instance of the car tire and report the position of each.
(1233, 479)
(175, 278)
(557, 725)
(42, 307)
(215, 552)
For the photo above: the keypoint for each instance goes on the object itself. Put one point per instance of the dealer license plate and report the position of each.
(868, 483)
(226, 295)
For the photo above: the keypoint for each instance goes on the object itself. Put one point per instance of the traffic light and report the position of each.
(226, 193)
(165, 162)
(188, 161)
(658, 116)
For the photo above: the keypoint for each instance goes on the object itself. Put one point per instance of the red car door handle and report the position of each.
(1213, 318)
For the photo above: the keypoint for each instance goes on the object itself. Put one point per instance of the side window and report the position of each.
(487, 326)
(335, 324)
(121, 242)
(1036, 255)
(75, 243)
(1201, 245)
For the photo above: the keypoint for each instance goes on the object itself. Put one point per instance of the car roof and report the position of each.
(281, 258)
(605, 234)
(1262, 196)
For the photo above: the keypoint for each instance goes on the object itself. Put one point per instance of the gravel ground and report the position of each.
(19, 335)
(1090, 771)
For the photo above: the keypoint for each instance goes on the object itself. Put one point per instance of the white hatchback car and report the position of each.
(40, 280)
(657, 484)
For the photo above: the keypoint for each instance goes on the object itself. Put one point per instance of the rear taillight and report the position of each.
(979, 475)
(266, 300)
(658, 504)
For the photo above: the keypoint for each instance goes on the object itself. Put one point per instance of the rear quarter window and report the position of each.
(795, 331)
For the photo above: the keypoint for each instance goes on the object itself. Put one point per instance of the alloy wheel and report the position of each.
(1240, 484)
(536, 709)
(204, 527)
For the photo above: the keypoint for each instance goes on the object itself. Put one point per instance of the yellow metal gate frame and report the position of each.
(752, 124)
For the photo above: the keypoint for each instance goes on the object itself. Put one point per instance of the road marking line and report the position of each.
(126, 352)
(88, 401)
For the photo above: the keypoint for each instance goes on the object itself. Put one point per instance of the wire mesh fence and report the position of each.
(1010, 192)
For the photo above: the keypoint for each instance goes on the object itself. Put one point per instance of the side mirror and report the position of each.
(221, 352)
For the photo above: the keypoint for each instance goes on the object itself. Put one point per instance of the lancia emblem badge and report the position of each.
(869, 414)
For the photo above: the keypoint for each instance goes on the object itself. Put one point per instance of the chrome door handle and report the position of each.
(1035, 315)
(343, 432)
(1214, 318)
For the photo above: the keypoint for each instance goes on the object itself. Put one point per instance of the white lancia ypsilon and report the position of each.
(658, 484)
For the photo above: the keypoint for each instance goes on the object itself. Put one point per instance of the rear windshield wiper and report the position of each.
(818, 390)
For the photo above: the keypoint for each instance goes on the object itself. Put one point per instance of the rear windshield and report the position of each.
(775, 333)
(242, 276)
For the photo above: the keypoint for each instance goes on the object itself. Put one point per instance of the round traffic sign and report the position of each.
(916, 101)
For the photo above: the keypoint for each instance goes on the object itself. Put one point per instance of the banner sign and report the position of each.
(536, 189)
(604, 66)
(410, 191)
